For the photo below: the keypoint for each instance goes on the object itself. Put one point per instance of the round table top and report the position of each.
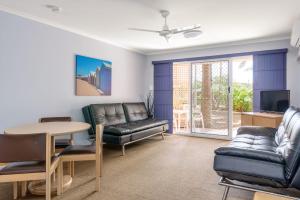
(52, 128)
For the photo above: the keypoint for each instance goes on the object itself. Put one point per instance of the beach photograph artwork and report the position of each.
(93, 76)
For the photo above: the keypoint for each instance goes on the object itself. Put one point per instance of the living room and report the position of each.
(154, 92)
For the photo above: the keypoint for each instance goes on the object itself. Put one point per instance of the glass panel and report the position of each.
(242, 88)
(181, 97)
(210, 97)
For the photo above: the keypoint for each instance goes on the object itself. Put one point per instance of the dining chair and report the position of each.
(28, 158)
(83, 153)
(61, 143)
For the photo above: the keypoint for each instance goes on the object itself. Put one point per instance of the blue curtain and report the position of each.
(163, 92)
(269, 73)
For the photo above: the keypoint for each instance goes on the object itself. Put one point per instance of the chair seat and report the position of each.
(62, 143)
(79, 149)
(24, 167)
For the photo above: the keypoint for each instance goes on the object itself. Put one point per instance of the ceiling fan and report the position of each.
(188, 32)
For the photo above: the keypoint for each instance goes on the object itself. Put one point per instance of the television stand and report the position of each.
(271, 120)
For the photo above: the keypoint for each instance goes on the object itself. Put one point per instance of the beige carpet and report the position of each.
(178, 168)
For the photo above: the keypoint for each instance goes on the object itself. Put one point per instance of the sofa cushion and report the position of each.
(250, 170)
(107, 114)
(118, 129)
(280, 137)
(254, 143)
(146, 124)
(251, 154)
(290, 147)
(135, 111)
(132, 127)
(255, 138)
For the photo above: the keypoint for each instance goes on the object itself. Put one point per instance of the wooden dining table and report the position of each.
(53, 129)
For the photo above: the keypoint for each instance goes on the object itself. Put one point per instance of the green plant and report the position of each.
(242, 97)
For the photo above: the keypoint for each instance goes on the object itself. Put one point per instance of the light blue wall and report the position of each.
(37, 69)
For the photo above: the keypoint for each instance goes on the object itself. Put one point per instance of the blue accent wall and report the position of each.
(163, 92)
(269, 73)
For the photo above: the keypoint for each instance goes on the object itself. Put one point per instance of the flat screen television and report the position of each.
(274, 101)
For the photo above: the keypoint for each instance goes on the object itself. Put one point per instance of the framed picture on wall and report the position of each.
(93, 76)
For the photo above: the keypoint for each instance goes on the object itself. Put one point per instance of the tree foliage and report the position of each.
(242, 97)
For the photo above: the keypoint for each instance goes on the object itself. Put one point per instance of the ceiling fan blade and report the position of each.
(175, 31)
(145, 30)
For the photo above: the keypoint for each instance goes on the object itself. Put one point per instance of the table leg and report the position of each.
(179, 121)
(15, 190)
(39, 187)
(23, 188)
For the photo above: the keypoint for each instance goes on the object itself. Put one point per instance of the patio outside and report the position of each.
(207, 91)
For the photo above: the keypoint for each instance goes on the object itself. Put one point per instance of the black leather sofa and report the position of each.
(123, 123)
(262, 156)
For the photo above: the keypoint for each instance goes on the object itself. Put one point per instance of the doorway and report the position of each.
(209, 96)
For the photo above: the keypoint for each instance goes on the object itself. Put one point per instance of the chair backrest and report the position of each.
(288, 140)
(19, 148)
(280, 136)
(55, 119)
(292, 147)
(135, 111)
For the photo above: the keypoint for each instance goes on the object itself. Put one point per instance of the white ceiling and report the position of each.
(222, 21)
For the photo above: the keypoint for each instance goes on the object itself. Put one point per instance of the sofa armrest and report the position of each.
(87, 117)
(257, 130)
(250, 154)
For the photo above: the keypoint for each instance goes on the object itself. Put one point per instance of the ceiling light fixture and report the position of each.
(192, 33)
(167, 33)
(53, 8)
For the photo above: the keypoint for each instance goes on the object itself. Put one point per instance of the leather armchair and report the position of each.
(263, 156)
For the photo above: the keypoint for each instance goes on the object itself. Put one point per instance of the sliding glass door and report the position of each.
(209, 96)
(210, 110)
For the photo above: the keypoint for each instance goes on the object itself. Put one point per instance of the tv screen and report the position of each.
(274, 101)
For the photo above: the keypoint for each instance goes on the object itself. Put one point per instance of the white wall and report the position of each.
(37, 69)
(293, 67)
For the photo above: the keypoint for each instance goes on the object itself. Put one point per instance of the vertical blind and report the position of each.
(269, 73)
(163, 92)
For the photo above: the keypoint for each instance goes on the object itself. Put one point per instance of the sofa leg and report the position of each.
(225, 194)
(163, 135)
(123, 150)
